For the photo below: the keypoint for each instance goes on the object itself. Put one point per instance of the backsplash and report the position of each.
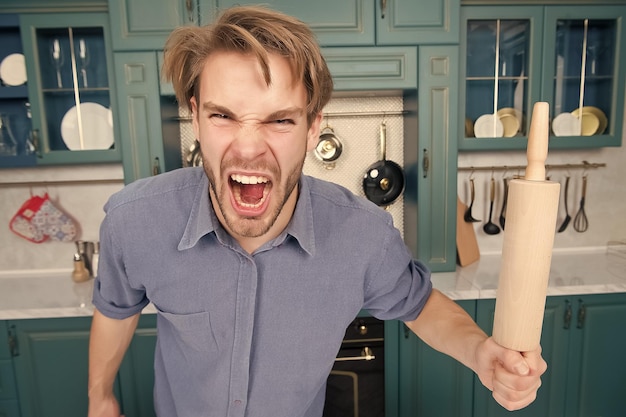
(83, 201)
(605, 204)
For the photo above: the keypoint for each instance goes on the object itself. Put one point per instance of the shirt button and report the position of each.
(237, 402)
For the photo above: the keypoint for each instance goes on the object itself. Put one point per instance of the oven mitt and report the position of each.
(21, 223)
(39, 219)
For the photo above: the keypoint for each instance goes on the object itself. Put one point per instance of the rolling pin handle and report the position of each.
(537, 149)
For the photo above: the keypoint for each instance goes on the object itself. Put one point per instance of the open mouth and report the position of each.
(249, 191)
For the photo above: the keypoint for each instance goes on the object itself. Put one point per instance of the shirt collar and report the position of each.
(202, 219)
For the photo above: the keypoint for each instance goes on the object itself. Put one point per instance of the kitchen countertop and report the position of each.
(52, 293)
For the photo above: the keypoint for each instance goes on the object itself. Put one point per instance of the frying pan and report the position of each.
(383, 181)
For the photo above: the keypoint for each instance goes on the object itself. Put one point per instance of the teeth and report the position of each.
(248, 179)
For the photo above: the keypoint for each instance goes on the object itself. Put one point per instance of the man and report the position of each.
(254, 268)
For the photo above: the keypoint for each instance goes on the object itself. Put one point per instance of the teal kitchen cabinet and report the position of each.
(50, 359)
(431, 383)
(145, 24)
(16, 147)
(570, 56)
(581, 339)
(370, 22)
(70, 79)
(430, 159)
(137, 77)
(9, 406)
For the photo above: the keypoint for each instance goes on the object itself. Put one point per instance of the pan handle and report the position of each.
(383, 140)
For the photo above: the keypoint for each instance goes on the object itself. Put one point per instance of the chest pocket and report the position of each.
(188, 331)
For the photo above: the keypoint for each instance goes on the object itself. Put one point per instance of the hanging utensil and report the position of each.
(383, 181)
(328, 148)
(490, 227)
(580, 220)
(567, 218)
(468, 213)
(502, 219)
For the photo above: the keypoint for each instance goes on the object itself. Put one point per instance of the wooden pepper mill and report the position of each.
(532, 208)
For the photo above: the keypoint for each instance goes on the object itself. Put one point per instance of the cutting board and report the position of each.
(466, 245)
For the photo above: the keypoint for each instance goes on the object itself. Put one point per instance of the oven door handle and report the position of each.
(366, 355)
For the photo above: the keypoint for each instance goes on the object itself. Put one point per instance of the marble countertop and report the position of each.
(52, 293)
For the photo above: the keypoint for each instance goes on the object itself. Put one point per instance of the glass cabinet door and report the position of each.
(569, 56)
(72, 117)
(583, 76)
(496, 78)
(16, 147)
(499, 75)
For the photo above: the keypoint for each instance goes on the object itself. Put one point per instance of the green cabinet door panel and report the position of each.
(335, 23)
(431, 383)
(596, 381)
(145, 24)
(372, 68)
(51, 366)
(413, 22)
(436, 151)
(139, 114)
(554, 343)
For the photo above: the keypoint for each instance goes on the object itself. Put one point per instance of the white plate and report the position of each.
(97, 124)
(488, 126)
(13, 70)
(566, 124)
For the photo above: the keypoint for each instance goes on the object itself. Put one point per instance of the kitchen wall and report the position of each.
(79, 191)
(605, 206)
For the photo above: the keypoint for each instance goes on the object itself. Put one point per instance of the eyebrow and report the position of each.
(289, 112)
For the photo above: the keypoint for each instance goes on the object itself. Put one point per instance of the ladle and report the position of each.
(490, 227)
(468, 213)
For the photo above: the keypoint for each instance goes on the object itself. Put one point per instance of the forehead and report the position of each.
(236, 81)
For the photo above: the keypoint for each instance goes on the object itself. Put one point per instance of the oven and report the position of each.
(356, 384)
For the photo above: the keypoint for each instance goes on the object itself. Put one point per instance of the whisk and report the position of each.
(580, 221)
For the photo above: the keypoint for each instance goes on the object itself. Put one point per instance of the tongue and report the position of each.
(251, 193)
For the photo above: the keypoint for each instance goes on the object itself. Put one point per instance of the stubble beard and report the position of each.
(252, 227)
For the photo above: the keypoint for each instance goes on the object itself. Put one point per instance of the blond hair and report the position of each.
(249, 30)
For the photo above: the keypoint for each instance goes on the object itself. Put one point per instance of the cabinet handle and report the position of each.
(156, 166)
(425, 163)
(190, 14)
(582, 312)
(383, 8)
(567, 318)
(14, 351)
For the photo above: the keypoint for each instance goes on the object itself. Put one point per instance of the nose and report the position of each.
(249, 142)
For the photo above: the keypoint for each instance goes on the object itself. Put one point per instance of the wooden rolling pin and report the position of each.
(532, 208)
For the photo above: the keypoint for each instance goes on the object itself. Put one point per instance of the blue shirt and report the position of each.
(250, 334)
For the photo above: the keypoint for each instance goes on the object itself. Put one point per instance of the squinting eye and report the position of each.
(219, 116)
(284, 121)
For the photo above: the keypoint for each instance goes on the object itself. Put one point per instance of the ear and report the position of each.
(194, 117)
(313, 135)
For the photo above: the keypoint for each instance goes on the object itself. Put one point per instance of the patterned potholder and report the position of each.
(21, 223)
(39, 219)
